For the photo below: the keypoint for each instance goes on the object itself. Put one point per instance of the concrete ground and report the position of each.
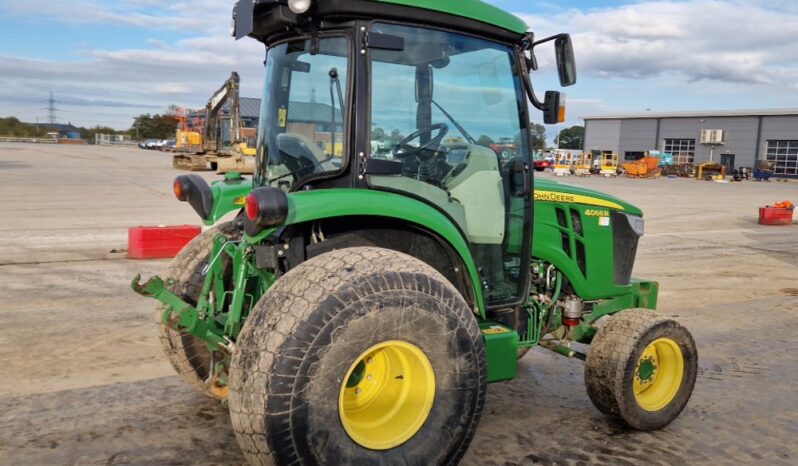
(84, 381)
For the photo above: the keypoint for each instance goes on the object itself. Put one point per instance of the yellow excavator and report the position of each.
(217, 152)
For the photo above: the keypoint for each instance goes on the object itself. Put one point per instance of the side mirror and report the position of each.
(554, 108)
(566, 65)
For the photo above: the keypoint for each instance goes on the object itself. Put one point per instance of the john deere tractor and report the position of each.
(356, 304)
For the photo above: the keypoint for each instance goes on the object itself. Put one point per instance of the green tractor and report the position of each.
(357, 304)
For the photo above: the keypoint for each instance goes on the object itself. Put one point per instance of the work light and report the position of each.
(299, 6)
(636, 223)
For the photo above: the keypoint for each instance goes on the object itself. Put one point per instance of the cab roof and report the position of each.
(270, 20)
(471, 9)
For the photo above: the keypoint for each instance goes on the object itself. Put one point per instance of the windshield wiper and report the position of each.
(455, 123)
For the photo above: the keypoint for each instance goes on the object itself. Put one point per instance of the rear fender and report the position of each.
(308, 206)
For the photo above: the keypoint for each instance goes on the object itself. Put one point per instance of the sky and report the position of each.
(108, 61)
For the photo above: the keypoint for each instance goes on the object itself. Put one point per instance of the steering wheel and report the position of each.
(403, 149)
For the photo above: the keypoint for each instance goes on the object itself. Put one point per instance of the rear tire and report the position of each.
(641, 369)
(188, 354)
(306, 348)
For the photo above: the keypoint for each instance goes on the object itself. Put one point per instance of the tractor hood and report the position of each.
(552, 191)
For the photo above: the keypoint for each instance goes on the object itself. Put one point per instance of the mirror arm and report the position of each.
(526, 81)
(547, 39)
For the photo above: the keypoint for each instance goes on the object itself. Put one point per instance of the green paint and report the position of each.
(646, 370)
(471, 9)
(639, 294)
(551, 185)
(228, 195)
(186, 316)
(501, 349)
(596, 237)
(306, 206)
(220, 313)
(357, 375)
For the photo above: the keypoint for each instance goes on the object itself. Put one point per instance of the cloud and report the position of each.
(200, 15)
(705, 40)
(111, 86)
(689, 54)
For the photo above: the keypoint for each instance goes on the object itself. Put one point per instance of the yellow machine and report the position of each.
(582, 163)
(214, 151)
(608, 164)
(244, 148)
(339, 149)
(563, 162)
(710, 171)
(186, 139)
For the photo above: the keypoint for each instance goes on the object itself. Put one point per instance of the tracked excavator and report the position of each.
(216, 151)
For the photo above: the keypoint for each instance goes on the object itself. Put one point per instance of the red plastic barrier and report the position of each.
(775, 216)
(159, 242)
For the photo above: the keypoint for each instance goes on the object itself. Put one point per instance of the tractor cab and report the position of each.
(402, 103)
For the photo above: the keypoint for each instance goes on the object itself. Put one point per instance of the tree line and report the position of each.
(163, 126)
(145, 126)
(568, 138)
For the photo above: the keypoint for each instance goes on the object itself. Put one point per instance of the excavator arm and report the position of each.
(213, 140)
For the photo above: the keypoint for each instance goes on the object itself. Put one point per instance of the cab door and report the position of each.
(449, 111)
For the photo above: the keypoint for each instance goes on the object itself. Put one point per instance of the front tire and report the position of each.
(641, 369)
(358, 356)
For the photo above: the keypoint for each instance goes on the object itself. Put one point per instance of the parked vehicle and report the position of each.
(506, 148)
(541, 163)
(148, 144)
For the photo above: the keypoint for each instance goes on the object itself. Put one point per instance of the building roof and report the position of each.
(57, 127)
(250, 107)
(312, 112)
(696, 114)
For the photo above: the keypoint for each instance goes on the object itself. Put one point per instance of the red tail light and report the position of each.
(266, 207)
(252, 208)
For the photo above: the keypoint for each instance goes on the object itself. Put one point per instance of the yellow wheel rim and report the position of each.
(658, 374)
(386, 395)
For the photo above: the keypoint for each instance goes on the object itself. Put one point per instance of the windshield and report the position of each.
(441, 79)
(301, 131)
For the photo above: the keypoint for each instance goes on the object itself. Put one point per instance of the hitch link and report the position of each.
(179, 315)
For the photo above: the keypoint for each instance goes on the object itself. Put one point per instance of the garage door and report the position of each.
(784, 155)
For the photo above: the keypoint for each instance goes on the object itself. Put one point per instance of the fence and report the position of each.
(31, 140)
(113, 140)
